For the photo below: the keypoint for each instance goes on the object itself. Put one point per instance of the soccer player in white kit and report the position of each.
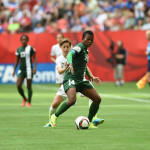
(61, 67)
(55, 53)
(56, 50)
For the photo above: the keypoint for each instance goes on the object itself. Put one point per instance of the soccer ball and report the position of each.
(82, 122)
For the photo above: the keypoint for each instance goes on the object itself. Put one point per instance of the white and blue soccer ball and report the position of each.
(82, 122)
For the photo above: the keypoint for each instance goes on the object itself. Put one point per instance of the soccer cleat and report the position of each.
(48, 125)
(97, 121)
(91, 126)
(28, 104)
(23, 102)
(53, 121)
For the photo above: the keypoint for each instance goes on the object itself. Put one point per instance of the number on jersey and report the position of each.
(71, 82)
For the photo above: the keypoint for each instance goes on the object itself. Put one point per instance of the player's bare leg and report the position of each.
(56, 102)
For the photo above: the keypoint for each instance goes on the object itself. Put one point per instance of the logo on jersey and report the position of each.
(22, 54)
(63, 65)
(77, 48)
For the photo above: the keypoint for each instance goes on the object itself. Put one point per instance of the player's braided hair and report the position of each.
(24, 36)
(89, 32)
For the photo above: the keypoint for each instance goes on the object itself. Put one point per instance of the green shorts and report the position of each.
(23, 74)
(80, 86)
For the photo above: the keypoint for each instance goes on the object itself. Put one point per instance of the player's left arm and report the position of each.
(69, 60)
(92, 77)
(35, 62)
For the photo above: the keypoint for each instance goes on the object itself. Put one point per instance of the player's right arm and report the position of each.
(59, 67)
(16, 64)
(53, 55)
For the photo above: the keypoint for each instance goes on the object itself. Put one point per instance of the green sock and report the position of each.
(29, 95)
(92, 111)
(21, 92)
(62, 109)
(90, 102)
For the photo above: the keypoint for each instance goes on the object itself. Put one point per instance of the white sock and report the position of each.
(52, 110)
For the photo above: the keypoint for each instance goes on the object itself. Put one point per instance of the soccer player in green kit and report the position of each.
(74, 79)
(24, 54)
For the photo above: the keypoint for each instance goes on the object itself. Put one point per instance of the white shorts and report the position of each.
(61, 92)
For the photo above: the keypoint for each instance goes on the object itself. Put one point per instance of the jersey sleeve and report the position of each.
(77, 49)
(17, 52)
(58, 62)
(53, 51)
(33, 51)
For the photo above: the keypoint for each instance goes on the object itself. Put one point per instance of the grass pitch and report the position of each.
(126, 111)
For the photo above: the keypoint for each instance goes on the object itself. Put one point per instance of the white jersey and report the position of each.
(60, 61)
(56, 50)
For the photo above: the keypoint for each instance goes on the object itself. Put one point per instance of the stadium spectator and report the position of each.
(39, 28)
(146, 25)
(111, 15)
(77, 26)
(1, 6)
(120, 57)
(13, 27)
(139, 25)
(12, 5)
(139, 10)
(79, 8)
(25, 23)
(63, 24)
(130, 20)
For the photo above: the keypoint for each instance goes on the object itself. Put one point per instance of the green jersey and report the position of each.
(79, 61)
(25, 54)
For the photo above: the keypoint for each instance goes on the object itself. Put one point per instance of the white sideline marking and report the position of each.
(43, 87)
(125, 98)
(143, 94)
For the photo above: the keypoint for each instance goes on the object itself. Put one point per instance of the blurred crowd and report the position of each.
(73, 15)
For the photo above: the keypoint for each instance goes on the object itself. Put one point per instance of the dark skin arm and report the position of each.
(35, 63)
(92, 78)
(16, 64)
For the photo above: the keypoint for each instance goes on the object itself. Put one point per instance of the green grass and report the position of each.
(125, 109)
